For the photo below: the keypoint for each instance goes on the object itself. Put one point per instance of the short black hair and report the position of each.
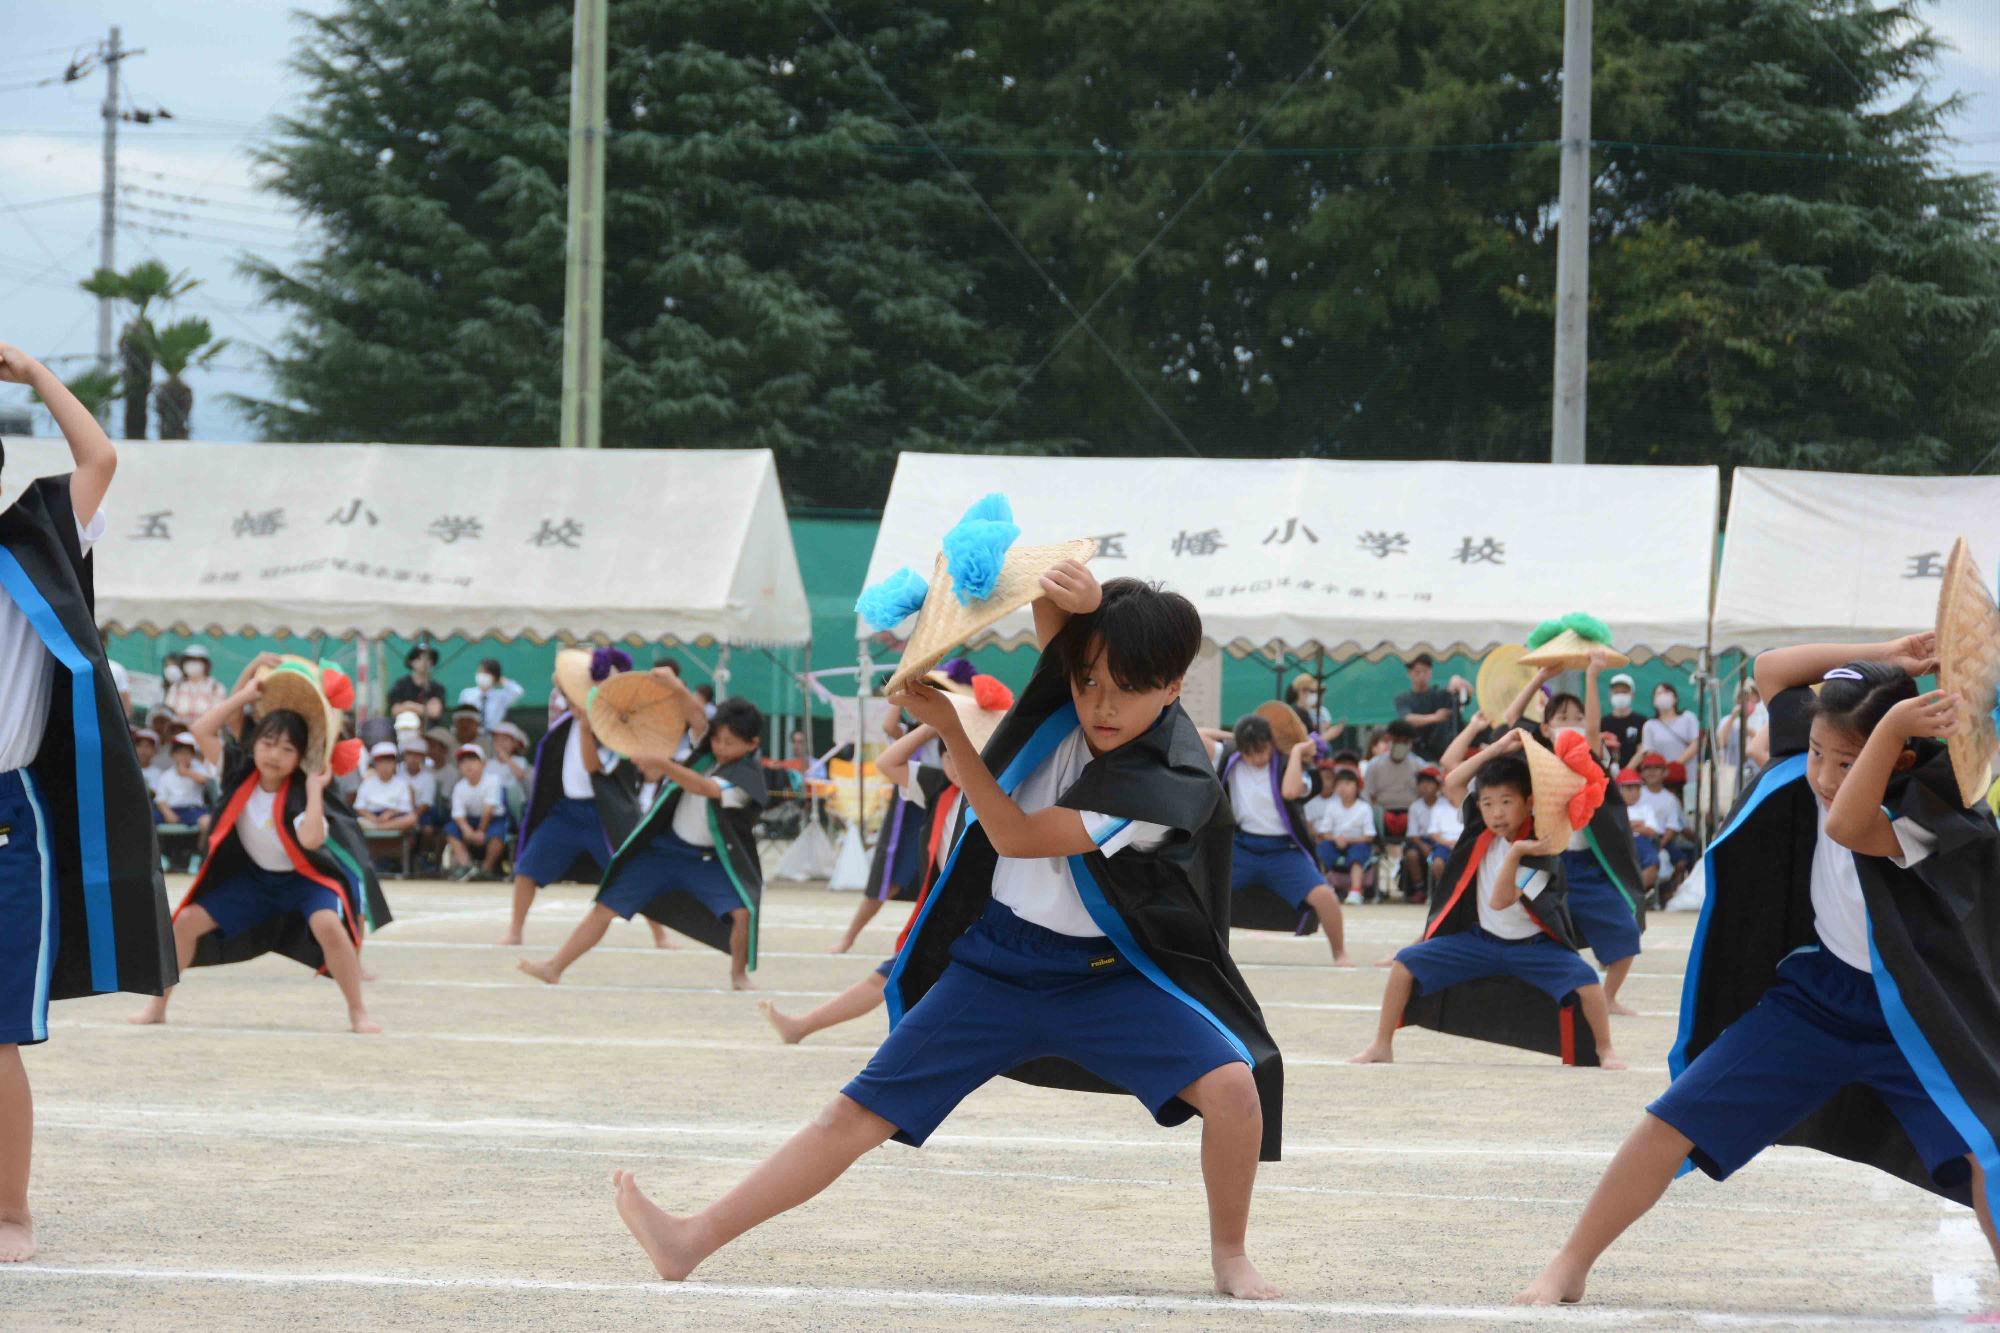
(282, 724)
(1253, 732)
(1341, 775)
(1856, 697)
(1150, 637)
(705, 692)
(1421, 659)
(1400, 730)
(1556, 702)
(740, 717)
(1507, 772)
(492, 665)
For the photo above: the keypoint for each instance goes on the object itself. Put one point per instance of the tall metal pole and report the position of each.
(107, 222)
(583, 295)
(1573, 241)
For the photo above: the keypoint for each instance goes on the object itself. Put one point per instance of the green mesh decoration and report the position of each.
(1586, 627)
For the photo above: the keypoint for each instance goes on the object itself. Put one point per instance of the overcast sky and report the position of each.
(191, 201)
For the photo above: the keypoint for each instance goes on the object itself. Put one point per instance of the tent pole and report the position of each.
(864, 682)
(364, 693)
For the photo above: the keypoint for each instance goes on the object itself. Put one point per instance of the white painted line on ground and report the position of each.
(1610, 1316)
(1960, 1256)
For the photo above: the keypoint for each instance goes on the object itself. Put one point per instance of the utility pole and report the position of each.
(1566, 440)
(583, 286)
(107, 222)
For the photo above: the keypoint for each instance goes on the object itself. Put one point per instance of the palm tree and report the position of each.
(94, 389)
(183, 345)
(140, 287)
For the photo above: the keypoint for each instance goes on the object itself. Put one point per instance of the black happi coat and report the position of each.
(545, 788)
(735, 834)
(342, 863)
(1609, 835)
(617, 795)
(1166, 911)
(1502, 1009)
(111, 902)
(1257, 908)
(1934, 941)
(904, 821)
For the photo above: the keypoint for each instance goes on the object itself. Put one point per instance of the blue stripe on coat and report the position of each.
(96, 856)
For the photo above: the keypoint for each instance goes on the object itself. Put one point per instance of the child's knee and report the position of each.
(326, 921)
(1226, 1094)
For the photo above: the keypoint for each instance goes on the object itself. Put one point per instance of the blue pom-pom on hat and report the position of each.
(892, 601)
(976, 550)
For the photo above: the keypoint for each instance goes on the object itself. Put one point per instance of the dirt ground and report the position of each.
(253, 1166)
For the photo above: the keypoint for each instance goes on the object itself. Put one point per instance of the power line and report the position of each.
(49, 202)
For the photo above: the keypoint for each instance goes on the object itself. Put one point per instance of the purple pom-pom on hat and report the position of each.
(608, 662)
(959, 671)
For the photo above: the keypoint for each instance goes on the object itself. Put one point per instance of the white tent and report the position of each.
(1357, 558)
(682, 545)
(1828, 556)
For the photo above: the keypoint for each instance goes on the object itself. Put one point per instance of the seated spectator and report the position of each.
(1661, 811)
(444, 769)
(384, 800)
(160, 720)
(478, 816)
(197, 691)
(490, 696)
(706, 693)
(1391, 780)
(418, 693)
(180, 795)
(1435, 825)
(1669, 732)
(417, 771)
(1349, 825)
(1645, 838)
(1304, 696)
(468, 728)
(121, 679)
(146, 744)
(511, 758)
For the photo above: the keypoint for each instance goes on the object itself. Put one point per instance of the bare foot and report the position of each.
(741, 981)
(1390, 961)
(661, 939)
(154, 1012)
(1557, 1285)
(512, 937)
(1342, 960)
(359, 1020)
(1237, 1276)
(1608, 1059)
(1378, 1053)
(540, 971)
(842, 947)
(667, 1240)
(17, 1238)
(367, 975)
(1622, 1010)
(788, 1028)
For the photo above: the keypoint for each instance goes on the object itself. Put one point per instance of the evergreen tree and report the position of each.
(770, 280)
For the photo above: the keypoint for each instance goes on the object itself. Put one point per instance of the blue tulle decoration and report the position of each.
(959, 671)
(607, 662)
(975, 550)
(893, 600)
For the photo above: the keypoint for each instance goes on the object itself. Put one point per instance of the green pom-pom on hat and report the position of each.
(1584, 625)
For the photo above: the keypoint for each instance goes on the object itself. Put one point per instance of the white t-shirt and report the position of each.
(178, 792)
(691, 815)
(423, 786)
(28, 673)
(1437, 819)
(392, 797)
(1039, 889)
(1251, 802)
(1512, 923)
(1316, 808)
(1347, 821)
(1840, 915)
(470, 800)
(257, 829)
(1669, 740)
(576, 778)
(1661, 809)
(649, 796)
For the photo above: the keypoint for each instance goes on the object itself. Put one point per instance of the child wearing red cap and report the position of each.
(1645, 838)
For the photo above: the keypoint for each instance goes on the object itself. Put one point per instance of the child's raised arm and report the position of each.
(96, 459)
(894, 762)
(1459, 780)
(1068, 589)
(1506, 889)
(1807, 663)
(1520, 705)
(312, 823)
(1856, 819)
(1593, 710)
(1461, 744)
(1013, 832)
(228, 714)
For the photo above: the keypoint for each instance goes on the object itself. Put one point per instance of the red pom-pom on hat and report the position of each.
(991, 694)
(337, 687)
(346, 755)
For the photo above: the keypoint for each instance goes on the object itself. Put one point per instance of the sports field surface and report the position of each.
(254, 1166)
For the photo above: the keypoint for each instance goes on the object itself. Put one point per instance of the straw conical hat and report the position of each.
(640, 713)
(1501, 677)
(1968, 648)
(944, 623)
(1287, 729)
(1555, 783)
(1571, 651)
(573, 677)
(298, 685)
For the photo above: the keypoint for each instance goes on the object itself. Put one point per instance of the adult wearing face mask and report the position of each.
(1623, 723)
(197, 692)
(492, 693)
(1305, 701)
(419, 692)
(1669, 731)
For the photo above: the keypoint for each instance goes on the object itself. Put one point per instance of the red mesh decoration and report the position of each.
(346, 755)
(337, 688)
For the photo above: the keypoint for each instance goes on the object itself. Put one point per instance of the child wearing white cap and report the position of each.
(385, 800)
(478, 815)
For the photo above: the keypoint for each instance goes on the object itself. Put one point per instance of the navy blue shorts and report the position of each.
(1445, 960)
(1602, 912)
(1015, 992)
(668, 865)
(254, 895)
(496, 831)
(29, 927)
(1344, 858)
(570, 829)
(1818, 1029)
(1274, 862)
(189, 815)
(1647, 849)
